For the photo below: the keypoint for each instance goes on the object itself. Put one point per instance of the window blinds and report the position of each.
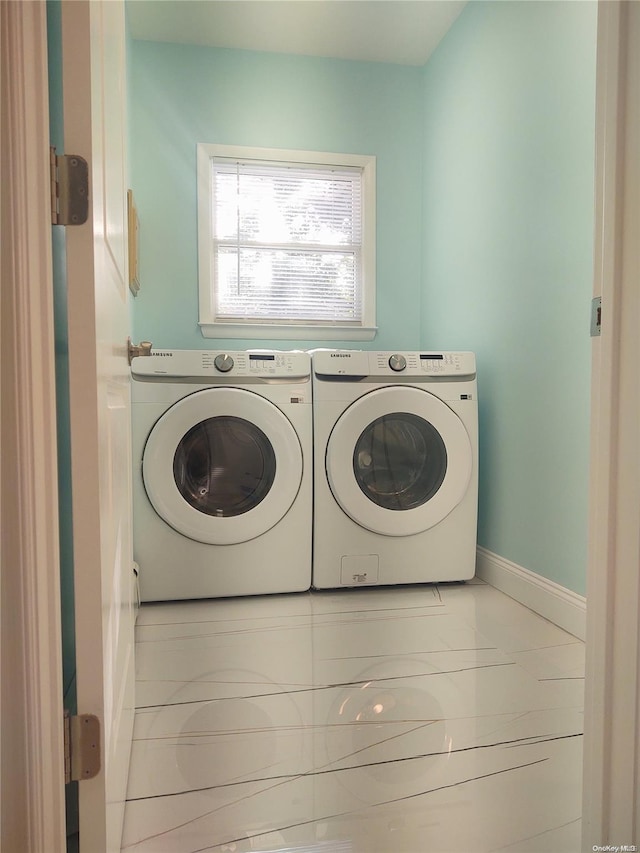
(287, 242)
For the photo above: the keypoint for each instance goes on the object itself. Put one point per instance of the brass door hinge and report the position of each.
(82, 759)
(69, 189)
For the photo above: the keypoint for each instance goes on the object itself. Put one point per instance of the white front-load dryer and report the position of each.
(395, 467)
(222, 480)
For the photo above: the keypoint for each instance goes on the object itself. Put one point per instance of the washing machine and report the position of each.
(395, 467)
(222, 481)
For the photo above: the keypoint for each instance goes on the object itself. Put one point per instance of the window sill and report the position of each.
(271, 331)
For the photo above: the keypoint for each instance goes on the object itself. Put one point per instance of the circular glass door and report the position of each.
(222, 466)
(398, 461)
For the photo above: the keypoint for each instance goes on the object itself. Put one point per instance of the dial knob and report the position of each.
(223, 362)
(397, 363)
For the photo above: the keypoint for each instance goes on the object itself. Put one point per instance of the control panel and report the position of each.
(416, 365)
(447, 363)
(195, 364)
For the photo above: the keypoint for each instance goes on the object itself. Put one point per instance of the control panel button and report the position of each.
(397, 362)
(223, 362)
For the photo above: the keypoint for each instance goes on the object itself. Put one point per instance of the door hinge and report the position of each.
(596, 316)
(69, 189)
(81, 747)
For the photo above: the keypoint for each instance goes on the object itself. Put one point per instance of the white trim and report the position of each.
(554, 602)
(279, 332)
(611, 808)
(209, 326)
(32, 789)
(242, 153)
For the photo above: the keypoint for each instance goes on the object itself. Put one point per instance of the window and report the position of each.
(286, 244)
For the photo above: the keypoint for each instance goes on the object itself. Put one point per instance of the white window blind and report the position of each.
(287, 242)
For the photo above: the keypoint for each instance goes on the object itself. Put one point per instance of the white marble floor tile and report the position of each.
(406, 720)
(212, 744)
(555, 662)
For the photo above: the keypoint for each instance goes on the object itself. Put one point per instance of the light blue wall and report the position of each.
(485, 217)
(508, 241)
(181, 95)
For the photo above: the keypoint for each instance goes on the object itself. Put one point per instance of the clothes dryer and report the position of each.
(395, 467)
(222, 480)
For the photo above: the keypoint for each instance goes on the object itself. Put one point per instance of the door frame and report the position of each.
(611, 767)
(32, 750)
(32, 806)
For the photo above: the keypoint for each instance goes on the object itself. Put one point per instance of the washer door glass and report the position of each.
(224, 466)
(400, 461)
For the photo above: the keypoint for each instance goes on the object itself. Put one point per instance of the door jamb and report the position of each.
(32, 790)
(611, 809)
(32, 805)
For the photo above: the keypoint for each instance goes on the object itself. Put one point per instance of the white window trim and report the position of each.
(212, 328)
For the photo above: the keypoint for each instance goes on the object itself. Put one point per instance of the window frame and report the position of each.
(214, 327)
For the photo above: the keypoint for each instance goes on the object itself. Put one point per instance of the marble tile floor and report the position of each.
(426, 719)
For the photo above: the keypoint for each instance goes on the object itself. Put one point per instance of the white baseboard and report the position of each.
(559, 605)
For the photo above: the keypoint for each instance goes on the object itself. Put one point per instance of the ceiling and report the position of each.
(402, 31)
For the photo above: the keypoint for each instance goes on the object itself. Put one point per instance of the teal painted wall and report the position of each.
(508, 241)
(485, 220)
(181, 95)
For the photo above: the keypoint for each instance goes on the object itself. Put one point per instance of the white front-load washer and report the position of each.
(395, 467)
(222, 480)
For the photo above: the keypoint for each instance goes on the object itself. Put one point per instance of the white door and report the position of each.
(93, 49)
(372, 465)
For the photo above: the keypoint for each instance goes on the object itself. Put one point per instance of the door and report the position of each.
(222, 466)
(93, 77)
(398, 461)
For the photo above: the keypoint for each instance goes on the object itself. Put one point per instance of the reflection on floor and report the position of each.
(405, 720)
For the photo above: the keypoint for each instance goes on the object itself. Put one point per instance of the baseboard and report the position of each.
(559, 605)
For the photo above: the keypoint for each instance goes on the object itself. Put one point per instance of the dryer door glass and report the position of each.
(224, 466)
(400, 461)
